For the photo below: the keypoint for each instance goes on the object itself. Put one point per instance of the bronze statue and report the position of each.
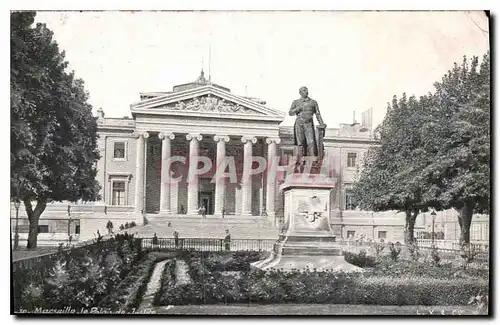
(304, 132)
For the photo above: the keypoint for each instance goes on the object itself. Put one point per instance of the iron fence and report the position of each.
(209, 244)
(447, 255)
(43, 263)
(452, 244)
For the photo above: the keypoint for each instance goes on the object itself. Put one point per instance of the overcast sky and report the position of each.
(350, 61)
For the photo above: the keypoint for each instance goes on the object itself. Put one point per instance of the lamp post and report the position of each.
(433, 214)
(16, 234)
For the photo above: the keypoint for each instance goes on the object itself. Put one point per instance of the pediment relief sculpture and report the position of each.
(210, 104)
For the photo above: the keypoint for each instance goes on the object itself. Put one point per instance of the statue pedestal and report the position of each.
(307, 239)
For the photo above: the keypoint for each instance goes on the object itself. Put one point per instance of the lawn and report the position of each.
(23, 252)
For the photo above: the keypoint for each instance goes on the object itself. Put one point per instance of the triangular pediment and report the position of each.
(205, 100)
(209, 103)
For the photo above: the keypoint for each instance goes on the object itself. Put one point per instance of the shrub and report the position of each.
(435, 258)
(413, 250)
(360, 259)
(378, 248)
(128, 293)
(468, 253)
(416, 291)
(167, 285)
(394, 252)
(481, 302)
(32, 297)
(76, 278)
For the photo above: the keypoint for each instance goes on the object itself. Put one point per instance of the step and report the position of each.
(209, 219)
(199, 230)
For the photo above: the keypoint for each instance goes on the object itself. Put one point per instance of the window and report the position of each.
(43, 229)
(350, 234)
(382, 235)
(350, 202)
(351, 159)
(119, 150)
(118, 193)
(77, 228)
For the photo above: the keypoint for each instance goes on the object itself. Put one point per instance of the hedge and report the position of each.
(211, 285)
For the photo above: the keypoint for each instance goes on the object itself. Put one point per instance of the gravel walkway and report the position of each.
(181, 273)
(314, 309)
(154, 285)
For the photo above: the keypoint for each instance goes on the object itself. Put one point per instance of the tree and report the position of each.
(391, 177)
(458, 138)
(53, 132)
(435, 151)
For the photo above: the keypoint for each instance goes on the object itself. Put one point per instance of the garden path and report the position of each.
(153, 286)
(315, 309)
(181, 273)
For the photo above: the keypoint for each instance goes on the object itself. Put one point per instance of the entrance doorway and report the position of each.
(207, 201)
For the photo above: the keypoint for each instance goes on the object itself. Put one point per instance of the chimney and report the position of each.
(354, 122)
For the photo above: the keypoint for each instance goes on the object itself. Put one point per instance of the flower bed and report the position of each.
(424, 267)
(227, 278)
(78, 278)
(127, 295)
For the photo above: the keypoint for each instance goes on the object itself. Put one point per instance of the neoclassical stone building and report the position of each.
(208, 120)
(201, 118)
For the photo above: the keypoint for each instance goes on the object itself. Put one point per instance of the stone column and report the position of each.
(139, 170)
(220, 184)
(237, 200)
(193, 183)
(165, 171)
(101, 170)
(246, 182)
(271, 176)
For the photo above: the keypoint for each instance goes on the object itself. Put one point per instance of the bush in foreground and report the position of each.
(128, 293)
(83, 277)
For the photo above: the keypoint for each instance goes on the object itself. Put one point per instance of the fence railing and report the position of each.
(453, 255)
(452, 244)
(44, 262)
(209, 244)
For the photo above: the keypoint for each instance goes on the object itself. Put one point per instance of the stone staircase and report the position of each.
(254, 227)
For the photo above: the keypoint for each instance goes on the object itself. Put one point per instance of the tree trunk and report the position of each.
(34, 217)
(411, 216)
(464, 220)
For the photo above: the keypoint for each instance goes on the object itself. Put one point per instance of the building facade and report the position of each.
(204, 119)
(146, 174)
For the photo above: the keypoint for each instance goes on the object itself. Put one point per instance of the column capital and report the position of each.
(271, 140)
(164, 135)
(145, 135)
(192, 136)
(218, 138)
(245, 139)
